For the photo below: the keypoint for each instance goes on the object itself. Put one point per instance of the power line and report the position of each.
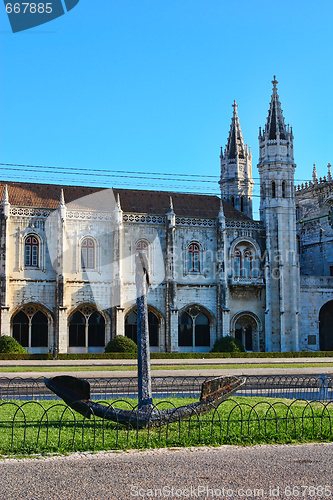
(108, 173)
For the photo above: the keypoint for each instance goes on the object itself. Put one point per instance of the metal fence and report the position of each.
(35, 427)
(312, 388)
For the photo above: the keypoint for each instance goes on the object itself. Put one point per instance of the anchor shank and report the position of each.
(144, 376)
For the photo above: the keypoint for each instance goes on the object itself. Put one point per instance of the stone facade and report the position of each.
(68, 258)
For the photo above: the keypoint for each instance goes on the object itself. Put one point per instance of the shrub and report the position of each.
(228, 344)
(120, 343)
(9, 345)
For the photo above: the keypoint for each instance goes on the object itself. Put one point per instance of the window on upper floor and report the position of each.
(298, 213)
(194, 258)
(31, 251)
(273, 190)
(142, 246)
(88, 253)
(243, 262)
(283, 189)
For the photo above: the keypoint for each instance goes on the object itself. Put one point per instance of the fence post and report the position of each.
(323, 392)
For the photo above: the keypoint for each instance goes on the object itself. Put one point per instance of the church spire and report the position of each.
(236, 168)
(275, 121)
(235, 146)
(276, 139)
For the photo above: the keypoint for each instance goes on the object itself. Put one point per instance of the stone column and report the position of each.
(4, 276)
(223, 312)
(171, 309)
(118, 325)
(61, 326)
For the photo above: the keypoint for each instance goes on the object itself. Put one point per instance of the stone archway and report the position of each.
(246, 327)
(326, 327)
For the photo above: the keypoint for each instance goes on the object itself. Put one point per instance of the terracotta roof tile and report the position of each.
(138, 201)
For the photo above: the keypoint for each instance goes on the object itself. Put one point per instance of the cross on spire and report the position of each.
(235, 106)
(274, 82)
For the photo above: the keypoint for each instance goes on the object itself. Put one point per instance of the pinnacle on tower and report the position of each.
(276, 139)
(314, 174)
(236, 169)
(117, 207)
(275, 121)
(5, 203)
(171, 211)
(62, 198)
(221, 211)
(329, 173)
(5, 198)
(235, 146)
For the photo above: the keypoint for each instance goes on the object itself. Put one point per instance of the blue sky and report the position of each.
(148, 86)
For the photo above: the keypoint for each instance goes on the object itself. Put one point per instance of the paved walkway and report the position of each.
(265, 472)
(251, 369)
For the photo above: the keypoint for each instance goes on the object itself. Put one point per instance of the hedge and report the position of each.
(182, 355)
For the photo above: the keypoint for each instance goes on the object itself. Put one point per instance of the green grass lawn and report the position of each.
(242, 366)
(51, 427)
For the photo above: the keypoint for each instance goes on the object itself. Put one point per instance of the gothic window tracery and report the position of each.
(153, 324)
(86, 328)
(31, 251)
(30, 327)
(88, 254)
(193, 258)
(243, 262)
(142, 246)
(193, 329)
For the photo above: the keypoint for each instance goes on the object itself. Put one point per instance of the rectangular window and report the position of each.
(331, 270)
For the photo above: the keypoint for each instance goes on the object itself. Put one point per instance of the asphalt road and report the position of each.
(303, 471)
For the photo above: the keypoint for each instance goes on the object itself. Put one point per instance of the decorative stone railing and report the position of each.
(29, 212)
(317, 282)
(245, 224)
(245, 281)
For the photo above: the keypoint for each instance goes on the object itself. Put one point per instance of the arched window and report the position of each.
(237, 262)
(30, 327)
(88, 254)
(77, 330)
(298, 243)
(131, 327)
(273, 190)
(193, 331)
(153, 329)
(96, 330)
(142, 246)
(247, 263)
(193, 258)
(39, 330)
(185, 330)
(21, 329)
(86, 328)
(242, 204)
(233, 201)
(31, 251)
(202, 334)
(283, 189)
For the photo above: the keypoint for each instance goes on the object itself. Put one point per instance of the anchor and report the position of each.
(76, 392)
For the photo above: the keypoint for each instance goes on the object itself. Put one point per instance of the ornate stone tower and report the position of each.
(236, 169)
(277, 210)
